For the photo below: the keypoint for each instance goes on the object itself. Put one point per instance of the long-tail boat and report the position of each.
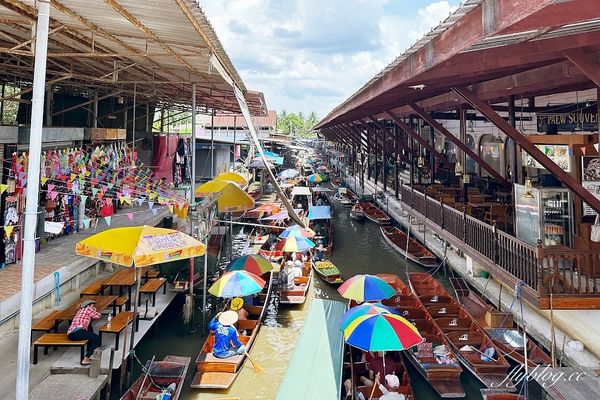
(328, 272)
(357, 213)
(219, 373)
(297, 294)
(160, 377)
(471, 343)
(488, 394)
(374, 213)
(401, 242)
(499, 326)
(434, 358)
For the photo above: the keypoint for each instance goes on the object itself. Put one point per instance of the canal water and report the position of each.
(358, 248)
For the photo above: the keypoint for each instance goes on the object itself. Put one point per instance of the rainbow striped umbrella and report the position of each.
(296, 230)
(315, 178)
(237, 284)
(364, 309)
(253, 263)
(381, 332)
(366, 288)
(294, 244)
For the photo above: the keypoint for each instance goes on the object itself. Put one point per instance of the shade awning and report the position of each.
(319, 212)
(318, 356)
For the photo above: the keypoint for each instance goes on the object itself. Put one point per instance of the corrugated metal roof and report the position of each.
(228, 120)
(162, 45)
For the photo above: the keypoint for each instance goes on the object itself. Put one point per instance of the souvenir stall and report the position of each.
(79, 188)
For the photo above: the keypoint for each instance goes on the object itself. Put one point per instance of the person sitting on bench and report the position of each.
(81, 328)
(227, 343)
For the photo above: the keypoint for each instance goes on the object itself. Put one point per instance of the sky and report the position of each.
(311, 55)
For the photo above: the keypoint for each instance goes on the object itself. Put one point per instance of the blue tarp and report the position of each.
(315, 370)
(277, 159)
(319, 212)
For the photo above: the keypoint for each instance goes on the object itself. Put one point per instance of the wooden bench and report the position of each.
(56, 340)
(151, 287)
(47, 324)
(120, 302)
(118, 323)
(152, 274)
(94, 289)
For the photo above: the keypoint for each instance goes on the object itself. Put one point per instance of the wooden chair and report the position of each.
(151, 287)
(497, 214)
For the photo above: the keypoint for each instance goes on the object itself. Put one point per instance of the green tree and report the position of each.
(297, 124)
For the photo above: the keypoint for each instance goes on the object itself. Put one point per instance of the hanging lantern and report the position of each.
(420, 162)
(458, 169)
(528, 194)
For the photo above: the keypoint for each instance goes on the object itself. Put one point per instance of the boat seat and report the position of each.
(443, 311)
(247, 324)
(253, 310)
(301, 280)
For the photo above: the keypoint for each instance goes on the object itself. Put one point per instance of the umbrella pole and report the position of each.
(205, 278)
(138, 278)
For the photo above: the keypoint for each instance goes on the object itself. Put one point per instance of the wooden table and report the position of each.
(491, 205)
(102, 303)
(124, 278)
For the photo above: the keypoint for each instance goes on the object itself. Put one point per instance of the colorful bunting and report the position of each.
(107, 219)
(43, 179)
(130, 216)
(8, 230)
(150, 205)
(3, 188)
(86, 223)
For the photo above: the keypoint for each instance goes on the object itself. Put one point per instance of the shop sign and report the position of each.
(559, 154)
(583, 120)
(594, 188)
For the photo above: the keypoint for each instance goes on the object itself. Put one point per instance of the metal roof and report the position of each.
(483, 41)
(160, 45)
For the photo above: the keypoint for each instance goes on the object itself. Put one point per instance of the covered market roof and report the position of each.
(498, 48)
(160, 46)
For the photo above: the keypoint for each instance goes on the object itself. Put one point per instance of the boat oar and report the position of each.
(257, 368)
(374, 386)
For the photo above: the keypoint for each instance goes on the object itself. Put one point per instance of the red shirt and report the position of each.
(83, 318)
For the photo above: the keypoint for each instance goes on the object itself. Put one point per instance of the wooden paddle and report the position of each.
(374, 386)
(257, 368)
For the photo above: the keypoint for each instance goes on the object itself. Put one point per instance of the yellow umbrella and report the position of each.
(140, 246)
(236, 177)
(231, 197)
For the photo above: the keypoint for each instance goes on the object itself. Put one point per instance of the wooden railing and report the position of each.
(546, 271)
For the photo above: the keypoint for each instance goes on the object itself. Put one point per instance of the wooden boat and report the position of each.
(357, 213)
(219, 373)
(499, 326)
(490, 394)
(170, 372)
(416, 251)
(328, 272)
(360, 369)
(297, 295)
(434, 359)
(346, 199)
(374, 213)
(466, 337)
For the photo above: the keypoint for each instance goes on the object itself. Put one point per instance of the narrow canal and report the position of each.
(358, 248)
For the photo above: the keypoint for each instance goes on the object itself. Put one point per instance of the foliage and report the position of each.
(297, 124)
(10, 107)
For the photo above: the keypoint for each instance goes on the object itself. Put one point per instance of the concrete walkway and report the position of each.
(75, 272)
(537, 322)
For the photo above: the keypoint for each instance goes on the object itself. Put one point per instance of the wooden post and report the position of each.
(95, 360)
(110, 373)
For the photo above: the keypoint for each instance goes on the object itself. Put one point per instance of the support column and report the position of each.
(368, 156)
(529, 147)
(462, 157)
(438, 127)
(515, 147)
(133, 116)
(31, 206)
(375, 156)
(412, 146)
(212, 146)
(193, 177)
(396, 162)
(95, 110)
(49, 101)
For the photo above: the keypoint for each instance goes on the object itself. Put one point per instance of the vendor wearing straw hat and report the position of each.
(81, 328)
(227, 343)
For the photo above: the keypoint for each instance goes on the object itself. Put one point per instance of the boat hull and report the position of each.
(428, 261)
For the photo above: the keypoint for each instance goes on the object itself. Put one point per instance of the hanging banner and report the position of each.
(559, 154)
(54, 228)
